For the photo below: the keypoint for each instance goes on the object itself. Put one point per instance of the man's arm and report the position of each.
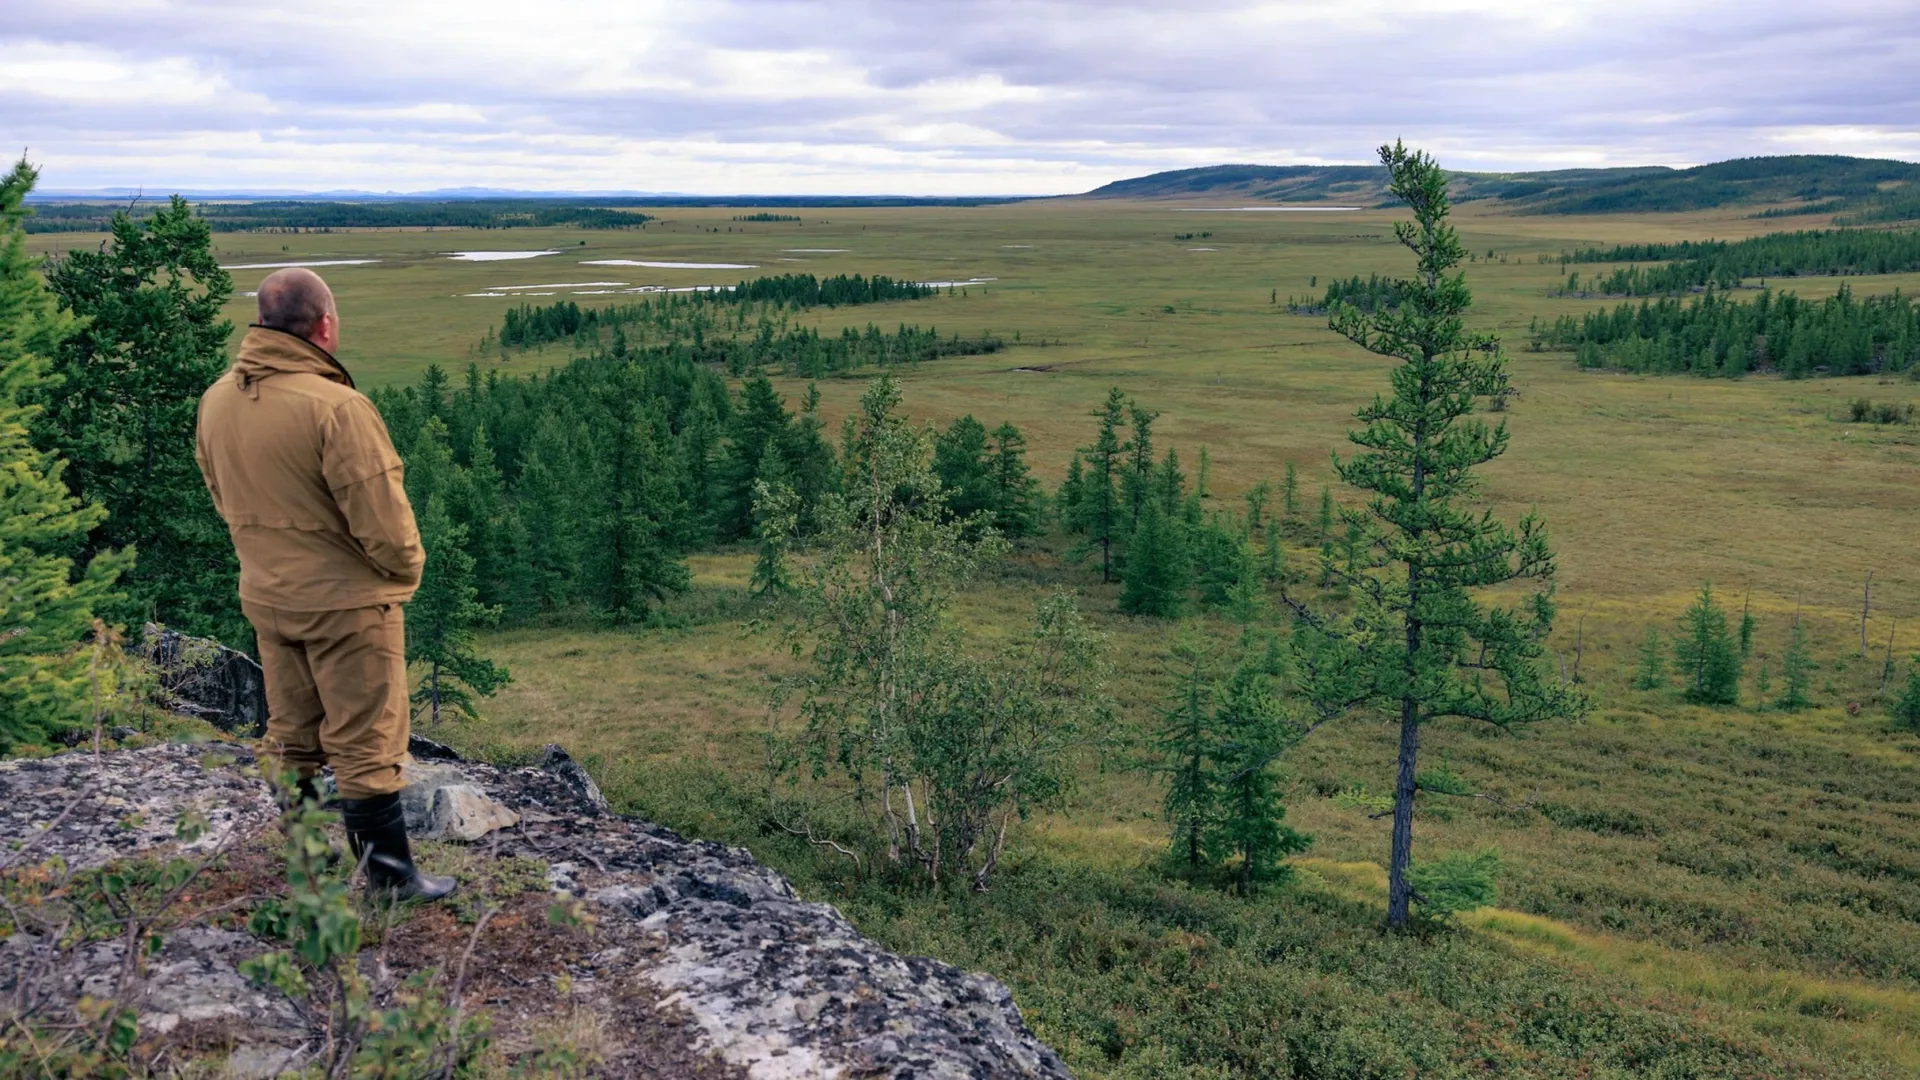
(205, 460)
(364, 474)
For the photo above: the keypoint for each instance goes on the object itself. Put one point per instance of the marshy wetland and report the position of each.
(1687, 890)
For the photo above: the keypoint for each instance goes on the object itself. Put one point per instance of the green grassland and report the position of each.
(1688, 891)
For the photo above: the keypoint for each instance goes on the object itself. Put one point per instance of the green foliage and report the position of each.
(417, 1034)
(1290, 494)
(1096, 508)
(1650, 671)
(775, 520)
(442, 618)
(45, 609)
(151, 340)
(1186, 741)
(1016, 494)
(1418, 640)
(1705, 654)
(1456, 882)
(1906, 708)
(1796, 671)
(1158, 574)
(1715, 334)
(1695, 264)
(943, 750)
(1253, 730)
(1374, 294)
(1257, 496)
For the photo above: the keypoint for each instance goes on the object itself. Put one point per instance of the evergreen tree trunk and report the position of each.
(1399, 893)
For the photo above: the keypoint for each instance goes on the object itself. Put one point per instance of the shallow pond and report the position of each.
(669, 265)
(497, 256)
(309, 262)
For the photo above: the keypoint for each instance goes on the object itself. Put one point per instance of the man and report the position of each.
(302, 471)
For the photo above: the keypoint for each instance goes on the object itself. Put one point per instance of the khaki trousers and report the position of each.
(336, 693)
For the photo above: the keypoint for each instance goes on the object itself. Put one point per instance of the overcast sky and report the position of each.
(925, 96)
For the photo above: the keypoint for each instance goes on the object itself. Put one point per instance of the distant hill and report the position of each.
(1856, 190)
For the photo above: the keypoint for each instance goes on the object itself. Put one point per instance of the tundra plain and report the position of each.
(1687, 891)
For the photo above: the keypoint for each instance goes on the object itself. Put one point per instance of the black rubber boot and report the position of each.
(377, 829)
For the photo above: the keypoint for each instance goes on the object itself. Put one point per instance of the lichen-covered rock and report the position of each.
(775, 986)
(203, 678)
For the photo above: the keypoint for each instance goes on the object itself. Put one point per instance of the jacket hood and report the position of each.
(266, 352)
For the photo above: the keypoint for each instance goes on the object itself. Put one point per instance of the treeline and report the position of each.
(287, 215)
(1715, 334)
(766, 216)
(527, 326)
(1692, 265)
(1373, 294)
(805, 290)
(1136, 517)
(581, 491)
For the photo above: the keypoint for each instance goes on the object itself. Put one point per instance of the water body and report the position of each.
(956, 284)
(1262, 209)
(816, 251)
(496, 256)
(1203, 249)
(558, 285)
(310, 262)
(669, 265)
(1016, 245)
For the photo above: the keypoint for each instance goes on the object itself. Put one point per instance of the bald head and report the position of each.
(297, 301)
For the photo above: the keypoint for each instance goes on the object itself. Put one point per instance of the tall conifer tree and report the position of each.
(150, 341)
(1100, 507)
(45, 609)
(442, 618)
(1421, 642)
(1158, 572)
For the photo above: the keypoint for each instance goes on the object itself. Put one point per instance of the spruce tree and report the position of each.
(635, 520)
(1420, 640)
(776, 519)
(1651, 671)
(1324, 521)
(151, 339)
(1906, 709)
(1137, 479)
(1016, 508)
(1274, 568)
(442, 618)
(548, 499)
(1252, 731)
(960, 462)
(1290, 494)
(1158, 573)
(1170, 484)
(44, 607)
(1186, 742)
(1100, 508)
(1070, 501)
(1796, 671)
(759, 421)
(1706, 654)
(478, 502)
(1204, 474)
(1257, 496)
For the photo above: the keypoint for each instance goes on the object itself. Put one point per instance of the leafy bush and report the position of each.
(1458, 882)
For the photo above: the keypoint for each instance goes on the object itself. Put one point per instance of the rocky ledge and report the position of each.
(685, 958)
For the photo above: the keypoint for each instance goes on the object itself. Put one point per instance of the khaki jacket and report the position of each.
(302, 470)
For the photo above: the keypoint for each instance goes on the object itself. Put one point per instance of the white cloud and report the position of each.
(967, 96)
